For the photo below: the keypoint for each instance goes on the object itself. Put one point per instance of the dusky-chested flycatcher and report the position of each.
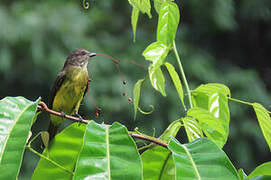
(69, 88)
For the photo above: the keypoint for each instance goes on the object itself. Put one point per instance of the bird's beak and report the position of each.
(91, 54)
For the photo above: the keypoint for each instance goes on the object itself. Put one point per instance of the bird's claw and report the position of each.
(62, 114)
(79, 117)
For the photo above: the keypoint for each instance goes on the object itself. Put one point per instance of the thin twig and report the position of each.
(43, 107)
(148, 139)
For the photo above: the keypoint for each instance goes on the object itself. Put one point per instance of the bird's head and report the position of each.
(79, 57)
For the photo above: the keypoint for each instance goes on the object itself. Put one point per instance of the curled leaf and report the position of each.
(146, 113)
(85, 4)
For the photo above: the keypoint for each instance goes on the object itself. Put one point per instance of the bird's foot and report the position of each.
(62, 114)
(79, 117)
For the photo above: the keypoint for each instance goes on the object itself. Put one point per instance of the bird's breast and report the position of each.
(71, 92)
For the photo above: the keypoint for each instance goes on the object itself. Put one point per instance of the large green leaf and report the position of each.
(108, 153)
(201, 159)
(158, 164)
(176, 81)
(157, 79)
(211, 126)
(137, 89)
(192, 128)
(213, 97)
(16, 117)
(134, 19)
(156, 52)
(263, 169)
(64, 150)
(264, 121)
(168, 21)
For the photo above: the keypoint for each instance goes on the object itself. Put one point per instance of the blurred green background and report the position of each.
(223, 41)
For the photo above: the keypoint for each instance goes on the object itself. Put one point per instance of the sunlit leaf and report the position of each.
(158, 4)
(201, 159)
(143, 5)
(157, 79)
(156, 52)
(210, 125)
(264, 121)
(213, 98)
(158, 164)
(169, 17)
(263, 169)
(176, 80)
(171, 131)
(211, 88)
(16, 117)
(134, 19)
(192, 128)
(108, 152)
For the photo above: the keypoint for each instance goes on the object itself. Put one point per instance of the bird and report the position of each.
(69, 88)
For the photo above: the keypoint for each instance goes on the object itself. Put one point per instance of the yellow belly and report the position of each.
(69, 96)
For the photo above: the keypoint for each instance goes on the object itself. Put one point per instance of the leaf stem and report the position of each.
(244, 102)
(183, 75)
(44, 157)
(240, 101)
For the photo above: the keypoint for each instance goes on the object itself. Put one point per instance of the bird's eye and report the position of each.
(83, 53)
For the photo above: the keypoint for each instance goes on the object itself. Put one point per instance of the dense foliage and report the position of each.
(214, 35)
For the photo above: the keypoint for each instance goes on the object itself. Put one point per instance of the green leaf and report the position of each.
(158, 164)
(264, 121)
(192, 128)
(108, 152)
(157, 79)
(137, 89)
(134, 19)
(211, 126)
(156, 52)
(168, 21)
(64, 150)
(171, 131)
(263, 169)
(213, 97)
(176, 80)
(16, 117)
(201, 159)
(242, 174)
(143, 5)
(212, 88)
(158, 4)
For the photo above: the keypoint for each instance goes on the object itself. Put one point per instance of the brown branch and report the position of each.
(43, 107)
(148, 139)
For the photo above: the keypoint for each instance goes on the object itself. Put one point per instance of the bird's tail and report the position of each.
(52, 130)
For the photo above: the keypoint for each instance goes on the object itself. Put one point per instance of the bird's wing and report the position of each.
(86, 87)
(58, 82)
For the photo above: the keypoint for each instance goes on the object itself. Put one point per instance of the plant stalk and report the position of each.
(183, 75)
